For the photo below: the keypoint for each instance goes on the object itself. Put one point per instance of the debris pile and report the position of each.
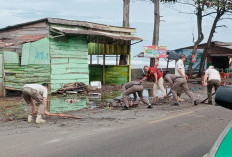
(73, 88)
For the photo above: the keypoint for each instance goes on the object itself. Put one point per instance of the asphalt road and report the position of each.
(185, 134)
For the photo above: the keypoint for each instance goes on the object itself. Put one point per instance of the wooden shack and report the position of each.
(56, 51)
(219, 55)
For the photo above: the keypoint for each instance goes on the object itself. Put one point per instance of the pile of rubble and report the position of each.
(73, 88)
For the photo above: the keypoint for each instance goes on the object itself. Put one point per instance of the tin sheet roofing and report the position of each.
(113, 35)
(75, 23)
(20, 40)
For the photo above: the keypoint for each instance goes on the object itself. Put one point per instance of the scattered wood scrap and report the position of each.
(63, 115)
(58, 115)
(77, 87)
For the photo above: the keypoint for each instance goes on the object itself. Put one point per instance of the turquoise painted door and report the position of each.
(1, 76)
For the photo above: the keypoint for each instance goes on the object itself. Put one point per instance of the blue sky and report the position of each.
(175, 31)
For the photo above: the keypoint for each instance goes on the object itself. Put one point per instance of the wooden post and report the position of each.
(91, 59)
(116, 59)
(129, 65)
(104, 68)
(167, 64)
(2, 76)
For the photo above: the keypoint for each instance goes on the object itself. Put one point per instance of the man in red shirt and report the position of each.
(157, 76)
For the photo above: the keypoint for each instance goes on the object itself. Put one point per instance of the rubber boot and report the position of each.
(29, 119)
(39, 119)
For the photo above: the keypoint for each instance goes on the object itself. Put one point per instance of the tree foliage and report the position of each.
(220, 8)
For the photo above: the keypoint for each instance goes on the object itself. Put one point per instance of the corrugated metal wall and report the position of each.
(34, 66)
(69, 61)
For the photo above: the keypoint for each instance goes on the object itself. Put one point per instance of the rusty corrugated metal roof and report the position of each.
(112, 35)
(214, 43)
(20, 40)
(75, 23)
(91, 25)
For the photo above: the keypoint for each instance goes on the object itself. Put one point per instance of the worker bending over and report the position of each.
(133, 87)
(157, 76)
(214, 79)
(176, 82)
(38, 93)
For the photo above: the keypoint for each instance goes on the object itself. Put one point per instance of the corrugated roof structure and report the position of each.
(63, 26)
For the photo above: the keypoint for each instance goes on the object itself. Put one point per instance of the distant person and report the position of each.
(178, 82)
(211, 79)
(38, 93)
(230, 65)
(180, 71)
(157, 76)
(133, 87)
(156, 63)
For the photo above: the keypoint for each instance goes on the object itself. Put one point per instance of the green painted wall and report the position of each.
(64, 104)
(36, 52)
(69, 61)
(16, 75)
(35, 67)
(11, 57)
(113, 74)
(117, 74)
(96, 73)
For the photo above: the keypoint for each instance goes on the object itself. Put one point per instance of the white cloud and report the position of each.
(175, 32)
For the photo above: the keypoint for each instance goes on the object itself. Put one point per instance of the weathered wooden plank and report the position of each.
(70, 76)
(67, 66)
(71, 56)
(69, 60)
(68, 53)
(26, 70)
(61, 43)
(78, 61)
(14, 85)
(25, 80)
(59, 60)
(11, 57)
(76, 47)
(66, 71)
(17, 75)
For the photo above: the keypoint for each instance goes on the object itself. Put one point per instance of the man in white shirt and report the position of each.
(38, 93)
(212, 79)
(180, 71)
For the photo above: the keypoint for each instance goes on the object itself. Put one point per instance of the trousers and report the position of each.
(131, 90)
(181, 82)
(160, 84)
(29, 95)
(210, 84)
